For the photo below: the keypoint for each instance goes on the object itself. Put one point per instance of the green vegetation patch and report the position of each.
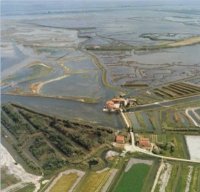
(162, 119)
(169, 144)
(94, 181)
(195, 183)
(49, 143)
(29, 188)
(64, 183)
(133, 180)
(7, 179)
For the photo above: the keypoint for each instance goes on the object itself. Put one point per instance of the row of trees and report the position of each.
(39, 148)
(29, 162)
(53, 163)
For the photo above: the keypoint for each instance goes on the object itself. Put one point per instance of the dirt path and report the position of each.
(162, 166)
(164, 177)
(189, 178)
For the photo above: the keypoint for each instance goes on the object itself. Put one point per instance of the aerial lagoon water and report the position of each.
(92, 51)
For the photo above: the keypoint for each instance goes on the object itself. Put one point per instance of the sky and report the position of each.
(70, 1)
(95, 0)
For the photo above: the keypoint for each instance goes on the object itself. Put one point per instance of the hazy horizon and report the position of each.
(34, 7)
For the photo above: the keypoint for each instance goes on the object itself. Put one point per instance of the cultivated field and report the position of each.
(176, 90)
(137, 176)
(96, 181)
(64, 183)
(164, 119)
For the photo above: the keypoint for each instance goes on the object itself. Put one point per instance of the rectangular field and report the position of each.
(138, 176)
(160, 120)
(176, 90)
(64, 183)
(94, 181)
(132, 181)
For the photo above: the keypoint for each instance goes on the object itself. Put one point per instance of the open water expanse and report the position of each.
(44, 43)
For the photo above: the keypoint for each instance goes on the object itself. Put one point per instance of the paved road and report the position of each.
(125, 119)
(167, 103)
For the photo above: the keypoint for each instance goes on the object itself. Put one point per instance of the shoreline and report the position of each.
(8, 161)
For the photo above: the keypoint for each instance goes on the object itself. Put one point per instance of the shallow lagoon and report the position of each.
(109, 24)
(78, 85)
(68, 109)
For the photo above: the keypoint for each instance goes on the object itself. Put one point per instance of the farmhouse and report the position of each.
(120, 139)
(144, 143)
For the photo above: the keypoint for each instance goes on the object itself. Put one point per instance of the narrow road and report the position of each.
(125, 119)
(167, 103)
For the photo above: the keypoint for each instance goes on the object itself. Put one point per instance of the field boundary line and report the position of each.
(162, 166)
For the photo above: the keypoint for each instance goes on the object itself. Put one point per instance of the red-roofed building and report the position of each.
(144, 143)
(115, 104)
(112, 106)
(120, 139)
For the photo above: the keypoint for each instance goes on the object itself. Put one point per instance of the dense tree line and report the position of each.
(53, 163)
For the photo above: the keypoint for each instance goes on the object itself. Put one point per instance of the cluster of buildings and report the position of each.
(119, 104)
(142, 142)
(116, 104)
